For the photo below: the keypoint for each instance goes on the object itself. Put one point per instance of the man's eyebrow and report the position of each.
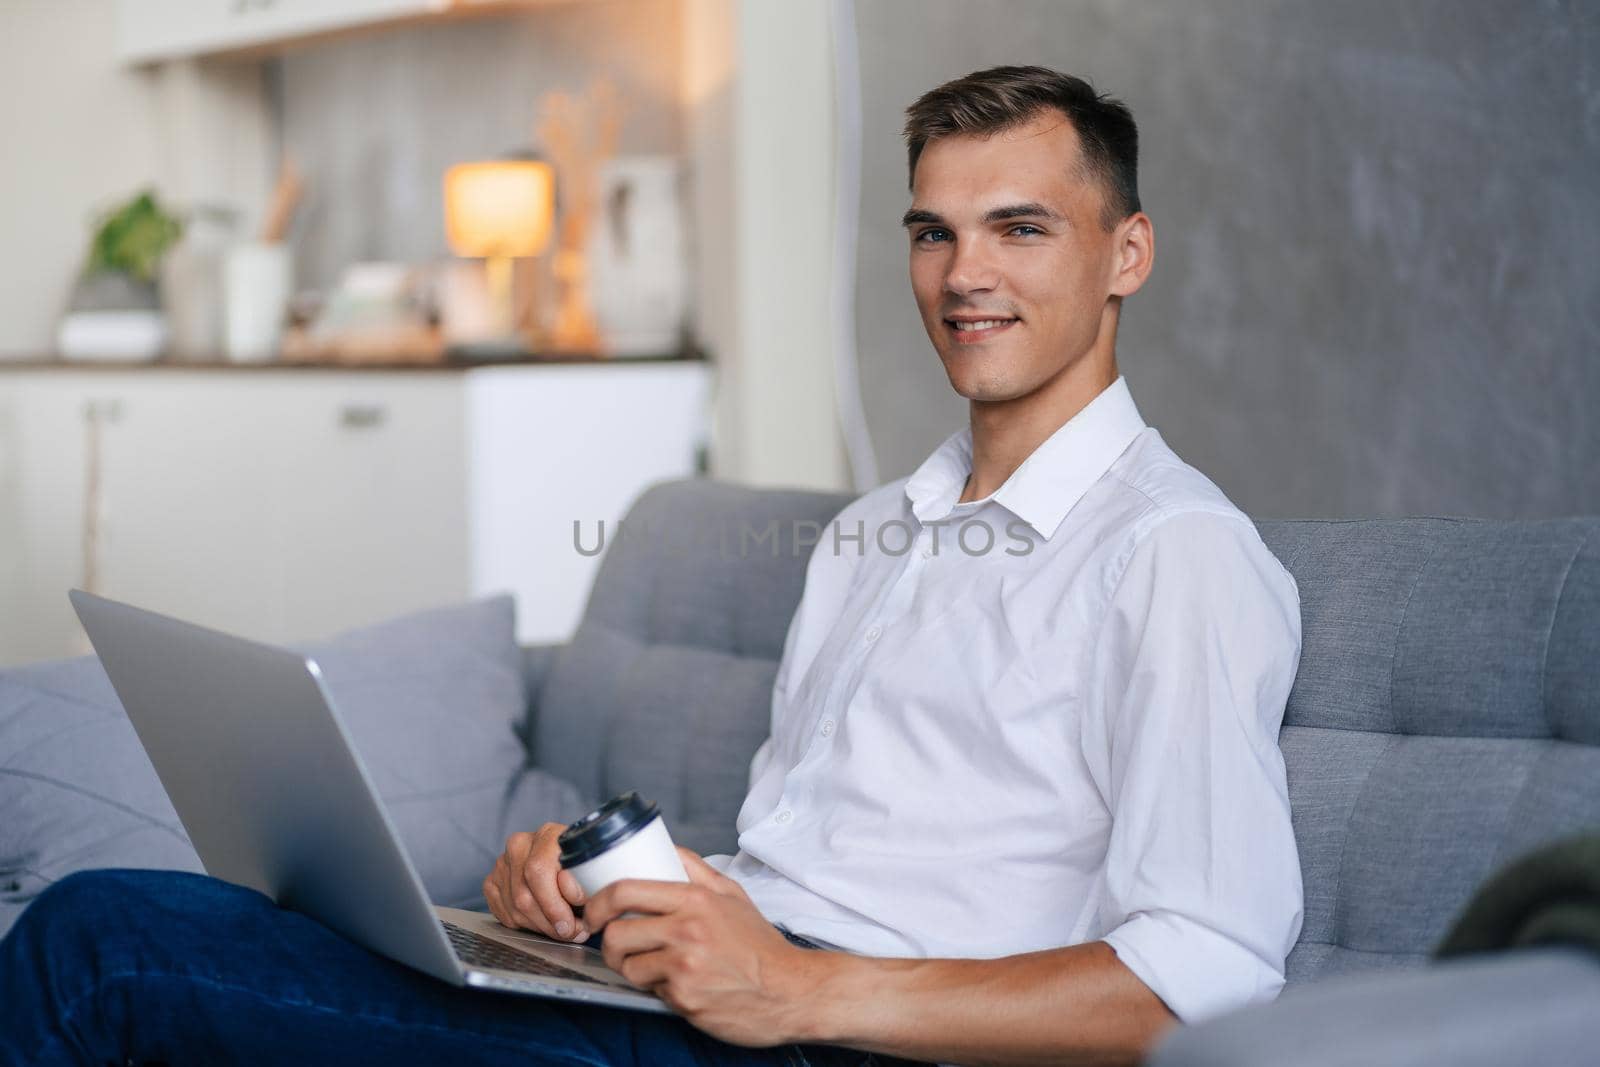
(1023, 211)
(999, 214)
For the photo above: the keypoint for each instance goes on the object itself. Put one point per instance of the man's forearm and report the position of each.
(1072, 1005)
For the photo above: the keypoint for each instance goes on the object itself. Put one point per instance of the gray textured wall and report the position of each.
(375, 120)
(1376, 288)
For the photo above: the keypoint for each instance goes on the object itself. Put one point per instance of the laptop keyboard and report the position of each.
(479, 951)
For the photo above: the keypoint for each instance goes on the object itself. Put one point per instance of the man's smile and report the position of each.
(969, 330)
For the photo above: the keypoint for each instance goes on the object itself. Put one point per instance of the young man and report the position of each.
(1024, 789)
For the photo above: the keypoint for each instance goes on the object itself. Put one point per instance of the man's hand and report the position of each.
(706, 951)
(528, 889)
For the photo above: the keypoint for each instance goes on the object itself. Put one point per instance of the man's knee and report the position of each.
(84, 897)
(71, 908)
(72, 943)
(89, 908)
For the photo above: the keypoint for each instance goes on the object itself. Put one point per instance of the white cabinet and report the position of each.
(288, 504)
(566, 443)
(150, 30)
(253, 501)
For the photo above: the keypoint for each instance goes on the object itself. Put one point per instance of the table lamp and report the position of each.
(498, 210)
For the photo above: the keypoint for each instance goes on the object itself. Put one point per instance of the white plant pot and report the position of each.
(112, 335)
(112, 316)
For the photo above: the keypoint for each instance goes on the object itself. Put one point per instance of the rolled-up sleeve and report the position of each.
(1202, 896)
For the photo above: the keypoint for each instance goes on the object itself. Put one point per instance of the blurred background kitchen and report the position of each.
(317, 311)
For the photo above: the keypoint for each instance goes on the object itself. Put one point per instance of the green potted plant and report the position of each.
(115, 308)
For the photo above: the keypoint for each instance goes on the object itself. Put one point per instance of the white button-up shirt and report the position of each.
(1042, 718)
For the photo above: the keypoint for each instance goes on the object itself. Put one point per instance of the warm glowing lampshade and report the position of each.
(498, 209)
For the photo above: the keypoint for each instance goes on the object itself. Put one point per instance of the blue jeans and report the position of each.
(125, 967)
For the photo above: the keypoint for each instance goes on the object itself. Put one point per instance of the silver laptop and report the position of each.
(248, 742)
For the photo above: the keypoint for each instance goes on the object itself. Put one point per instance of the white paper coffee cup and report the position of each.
(624, 838)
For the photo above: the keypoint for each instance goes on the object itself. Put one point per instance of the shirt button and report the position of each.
(873, 632)
(784, 816)
(827, 727)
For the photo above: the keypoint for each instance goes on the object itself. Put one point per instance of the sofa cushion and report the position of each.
(76, 790)
(1443, 720)
(432, 701)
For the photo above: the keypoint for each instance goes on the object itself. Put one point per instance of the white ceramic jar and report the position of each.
(255, 294)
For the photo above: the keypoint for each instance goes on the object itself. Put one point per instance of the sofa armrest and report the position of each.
(536, 663)
(1530, 1005)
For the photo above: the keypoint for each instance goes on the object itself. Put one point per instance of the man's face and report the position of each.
(1003, 227)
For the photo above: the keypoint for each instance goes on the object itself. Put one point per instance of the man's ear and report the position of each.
(1133, 254)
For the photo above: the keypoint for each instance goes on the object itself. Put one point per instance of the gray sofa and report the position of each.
(1445, 720)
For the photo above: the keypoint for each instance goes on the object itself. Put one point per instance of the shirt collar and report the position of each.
(1051, 480)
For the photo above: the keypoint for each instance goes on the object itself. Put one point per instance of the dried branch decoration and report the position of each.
(579, 134)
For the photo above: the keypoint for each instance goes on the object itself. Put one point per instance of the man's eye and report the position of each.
(1025, 226)
(926, 233)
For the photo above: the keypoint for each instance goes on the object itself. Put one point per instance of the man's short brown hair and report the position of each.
(1002, 98)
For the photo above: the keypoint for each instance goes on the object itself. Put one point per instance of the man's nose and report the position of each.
(972, 268)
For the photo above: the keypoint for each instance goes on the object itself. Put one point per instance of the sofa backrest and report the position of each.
(1445, 719)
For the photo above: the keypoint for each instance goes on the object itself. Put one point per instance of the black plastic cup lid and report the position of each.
(602, 829)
